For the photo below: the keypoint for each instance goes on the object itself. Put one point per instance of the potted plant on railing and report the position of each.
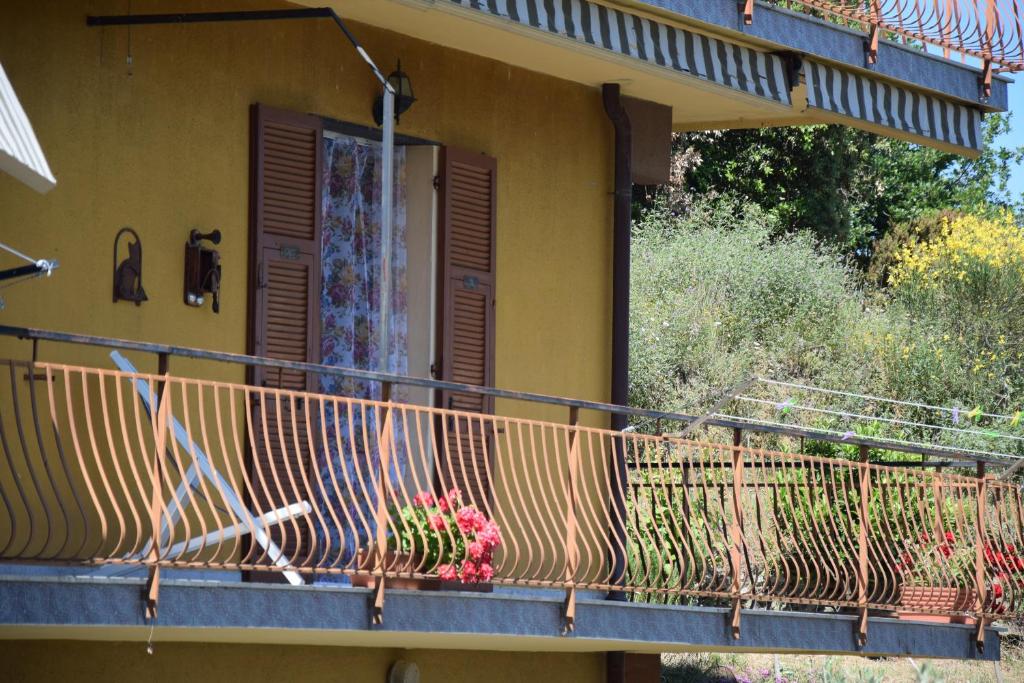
(937, 581)
(448, 544)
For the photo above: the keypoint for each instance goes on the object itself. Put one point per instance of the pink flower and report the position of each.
(469, 572)
(489, 535)
(447, 572)
(454, 496)
(423, 499)
(475, 550)
(442, 504)
(466, 518)
(486, 571)
(437, 522)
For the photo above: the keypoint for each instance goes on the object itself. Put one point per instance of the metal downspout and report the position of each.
(621, 212)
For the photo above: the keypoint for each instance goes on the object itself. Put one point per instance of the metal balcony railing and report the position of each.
(989, 30)
(112, 468)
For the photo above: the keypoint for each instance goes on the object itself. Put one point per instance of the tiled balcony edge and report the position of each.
(60, 608)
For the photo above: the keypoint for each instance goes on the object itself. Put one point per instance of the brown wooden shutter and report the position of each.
(467, 249)
(284, 306)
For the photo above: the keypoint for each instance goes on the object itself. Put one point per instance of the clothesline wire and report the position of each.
(902, 442)
(17, 253)
(890, 420)
(868, 397)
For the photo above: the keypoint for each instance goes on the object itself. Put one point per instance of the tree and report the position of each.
(847, 186)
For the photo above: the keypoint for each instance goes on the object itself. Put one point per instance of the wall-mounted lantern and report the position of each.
(404, 98)
(128, 274)
(202, 269)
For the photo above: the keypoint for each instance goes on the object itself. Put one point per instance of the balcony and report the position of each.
(110, 470)
(987, 30)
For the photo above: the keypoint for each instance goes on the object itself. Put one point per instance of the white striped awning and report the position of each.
(930, 119)
(20, 153)
(717, 61)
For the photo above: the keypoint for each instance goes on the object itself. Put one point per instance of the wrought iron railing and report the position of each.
(989, 30)
(113, 468)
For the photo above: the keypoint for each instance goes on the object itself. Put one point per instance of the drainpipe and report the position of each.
(621, 213)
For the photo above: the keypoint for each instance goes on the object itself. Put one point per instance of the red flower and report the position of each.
(475, 550)
(925, 538)
(437, 522)
(469, 572)
(949, 537)
(1011, 549)
(489, 535)
(464, 518)
(945, 550)
(447, 572)
(997, 590)
(486, 571)
(423, 499)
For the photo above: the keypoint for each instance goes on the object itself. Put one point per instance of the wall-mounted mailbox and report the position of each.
(202, 269)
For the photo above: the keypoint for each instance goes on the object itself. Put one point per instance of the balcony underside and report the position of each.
(191, 611)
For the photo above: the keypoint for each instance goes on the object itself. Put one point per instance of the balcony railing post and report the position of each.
(571, 550)
(979, 559)
(862, 548)
(163, 394)
(381, 513)
(736, 530)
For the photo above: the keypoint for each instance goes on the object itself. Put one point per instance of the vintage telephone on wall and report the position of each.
(202, 269)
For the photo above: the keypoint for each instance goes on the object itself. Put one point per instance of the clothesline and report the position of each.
(956, 412)
(889, 420)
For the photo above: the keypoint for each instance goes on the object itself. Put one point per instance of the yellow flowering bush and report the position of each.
(968, 245)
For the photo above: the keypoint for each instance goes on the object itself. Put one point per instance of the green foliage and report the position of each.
(721, 294)
(847, 186)
(716, 299)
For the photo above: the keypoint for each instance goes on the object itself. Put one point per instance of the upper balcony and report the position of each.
(111, 470)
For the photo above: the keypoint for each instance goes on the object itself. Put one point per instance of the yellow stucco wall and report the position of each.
(161, 144)
(56, 660)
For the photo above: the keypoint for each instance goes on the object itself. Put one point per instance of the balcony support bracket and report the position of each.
(377, 613)
(151, 594)
(747, 10)
(734, 618)
(570, 610)
(871, 45)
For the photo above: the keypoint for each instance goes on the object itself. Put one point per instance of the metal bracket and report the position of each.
(979, 636)
(871, 45)
(862, 627)
(747, 9)
(985, 81)
(377, 618)
(152, 593)
(734, 618)
(570, 610)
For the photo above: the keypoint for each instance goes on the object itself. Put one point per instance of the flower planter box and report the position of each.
(406, 562)
(916, 602)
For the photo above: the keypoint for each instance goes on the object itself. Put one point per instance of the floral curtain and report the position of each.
(350, 321)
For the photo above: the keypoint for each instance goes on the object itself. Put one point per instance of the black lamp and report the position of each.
(399, 80)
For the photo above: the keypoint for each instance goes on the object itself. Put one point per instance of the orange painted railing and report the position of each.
(110, 468)
(989, 30)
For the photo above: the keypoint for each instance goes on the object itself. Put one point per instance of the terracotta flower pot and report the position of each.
(395, 561)
(917, 601)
